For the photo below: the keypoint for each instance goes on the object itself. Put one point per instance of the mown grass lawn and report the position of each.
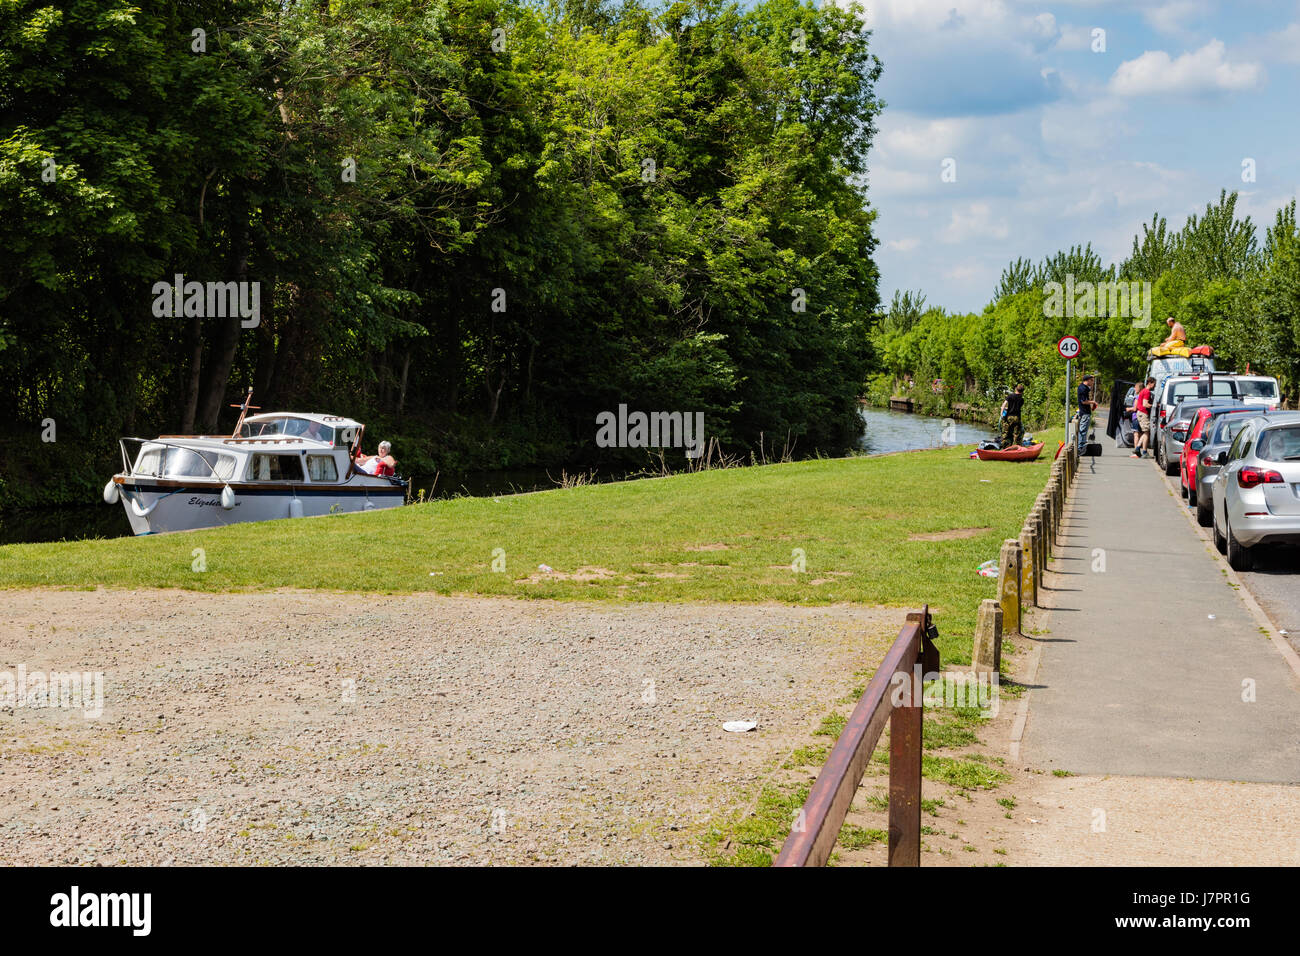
(723, 535)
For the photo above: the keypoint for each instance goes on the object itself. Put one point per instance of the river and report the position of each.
(886, 431)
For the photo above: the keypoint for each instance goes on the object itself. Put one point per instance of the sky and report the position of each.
(1053, 134)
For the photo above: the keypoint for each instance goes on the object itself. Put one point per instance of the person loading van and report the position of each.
(1142, 406)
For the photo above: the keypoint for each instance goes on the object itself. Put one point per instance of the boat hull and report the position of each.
(1017, 453)
(155, 508)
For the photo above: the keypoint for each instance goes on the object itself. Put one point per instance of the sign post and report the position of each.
(1069, 348)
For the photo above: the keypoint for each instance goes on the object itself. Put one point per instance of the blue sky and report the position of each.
(1057, 144)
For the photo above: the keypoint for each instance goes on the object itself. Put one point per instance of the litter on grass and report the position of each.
(739, 726)
(989, 569)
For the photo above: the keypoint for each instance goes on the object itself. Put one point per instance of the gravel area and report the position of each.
(321, 728)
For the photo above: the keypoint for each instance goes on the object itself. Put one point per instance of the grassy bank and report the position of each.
(723, 535)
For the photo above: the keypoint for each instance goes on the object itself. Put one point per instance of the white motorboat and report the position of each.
(274, 465)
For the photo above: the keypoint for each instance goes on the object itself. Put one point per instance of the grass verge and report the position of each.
(899, 530)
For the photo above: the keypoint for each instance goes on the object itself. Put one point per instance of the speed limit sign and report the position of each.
(1068, 347)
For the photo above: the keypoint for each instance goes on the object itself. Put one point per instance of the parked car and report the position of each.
(1217, 437)
(1174, 435)
(1173, 391)
(1204, 422)
(1256, 494)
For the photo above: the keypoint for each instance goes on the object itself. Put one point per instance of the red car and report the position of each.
(1200, 428)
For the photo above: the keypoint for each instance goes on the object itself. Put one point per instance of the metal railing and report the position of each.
(818, 825)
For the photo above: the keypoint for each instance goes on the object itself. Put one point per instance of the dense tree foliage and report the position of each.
(474, 223)
(1229, 291)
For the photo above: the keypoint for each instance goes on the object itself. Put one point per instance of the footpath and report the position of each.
(1162, 715)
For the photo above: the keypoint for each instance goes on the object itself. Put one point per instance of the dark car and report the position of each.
(1173, 392)
(1220, 433)
(1178, 424)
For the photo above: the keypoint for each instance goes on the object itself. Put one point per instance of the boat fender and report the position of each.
(227, 498)
(111, 494)
(295, 508)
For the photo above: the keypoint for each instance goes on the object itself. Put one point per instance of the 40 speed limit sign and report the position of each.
(1068, 347)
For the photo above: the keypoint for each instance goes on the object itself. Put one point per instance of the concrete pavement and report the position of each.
(1153, 665)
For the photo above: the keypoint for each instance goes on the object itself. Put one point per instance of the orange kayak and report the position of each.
(1014, 453)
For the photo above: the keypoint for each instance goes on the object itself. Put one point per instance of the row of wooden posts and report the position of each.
(1021, 564)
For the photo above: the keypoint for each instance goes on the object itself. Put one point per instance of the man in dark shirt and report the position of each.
(1086, 406)
(1012, 431)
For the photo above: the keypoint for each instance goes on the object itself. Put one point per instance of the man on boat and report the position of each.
(1013, 432)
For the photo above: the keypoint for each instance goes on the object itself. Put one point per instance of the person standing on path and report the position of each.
(1013, 432)
(1142, 405)
(1086, 407)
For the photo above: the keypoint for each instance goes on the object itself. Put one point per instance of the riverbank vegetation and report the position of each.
(1230, 286)
(473, 225)
(901, 530)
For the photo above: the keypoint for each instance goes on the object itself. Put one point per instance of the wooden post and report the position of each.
(905, 785)
(1028, 565)
(1009, 585)
(1049, 515)
(986, 655)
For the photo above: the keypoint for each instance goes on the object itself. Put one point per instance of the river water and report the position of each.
(886, 431)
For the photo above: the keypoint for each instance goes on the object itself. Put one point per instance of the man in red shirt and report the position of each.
(1142, 407)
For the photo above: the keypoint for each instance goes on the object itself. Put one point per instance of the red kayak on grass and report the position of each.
(1014, 453)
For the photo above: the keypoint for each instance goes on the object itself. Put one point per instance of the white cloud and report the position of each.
(1175, 16)
(1284, 45)
(974, 221)
(890, 180)
(1203, 71)
(964, 270)
(962, 57)
(902, 137)
(902, 245)
(1074, 38)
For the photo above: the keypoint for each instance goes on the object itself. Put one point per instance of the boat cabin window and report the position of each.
(275, 468)
(322, 468)
(189, 463)
(148, 461)
(289, 427)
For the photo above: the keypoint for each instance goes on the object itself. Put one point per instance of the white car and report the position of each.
(1256, 491)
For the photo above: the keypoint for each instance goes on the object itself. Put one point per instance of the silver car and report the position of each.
(1256, 493)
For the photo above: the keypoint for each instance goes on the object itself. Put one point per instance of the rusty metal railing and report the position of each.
(818, 825)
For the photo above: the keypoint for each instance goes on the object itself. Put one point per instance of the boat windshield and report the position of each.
(188, 463)
(289, 427)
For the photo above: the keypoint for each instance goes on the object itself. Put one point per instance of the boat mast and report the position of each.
(244, 408)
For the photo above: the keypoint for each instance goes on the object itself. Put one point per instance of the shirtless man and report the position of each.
(1177, 334)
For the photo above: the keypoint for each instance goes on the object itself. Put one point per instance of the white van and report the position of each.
(1261, 390)
(1163, 366)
